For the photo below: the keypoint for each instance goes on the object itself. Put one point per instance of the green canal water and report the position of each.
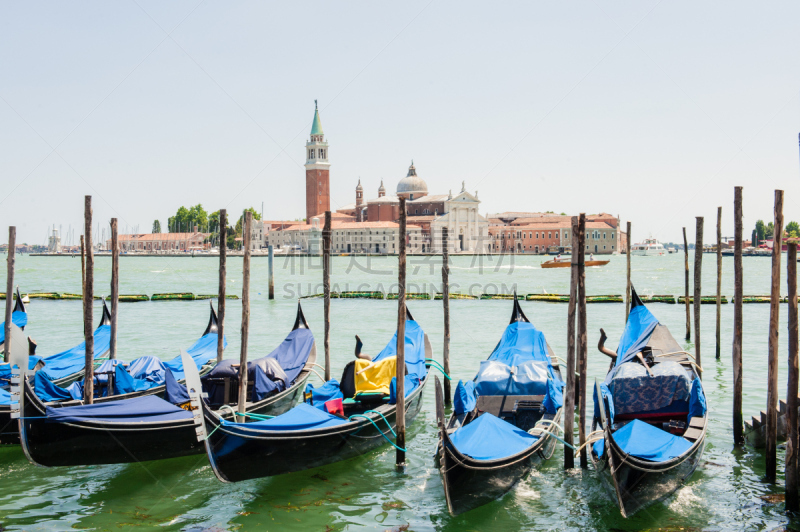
(726, 492)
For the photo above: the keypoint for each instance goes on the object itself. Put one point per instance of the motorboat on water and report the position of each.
(650, 246)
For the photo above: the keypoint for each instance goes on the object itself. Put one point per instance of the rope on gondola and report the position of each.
(438, 366)
(377, 427)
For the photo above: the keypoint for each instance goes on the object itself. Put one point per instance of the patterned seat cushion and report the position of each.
(634, 390)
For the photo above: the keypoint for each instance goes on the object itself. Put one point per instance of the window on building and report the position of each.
(549, 235)
(612, 236)
(604, 235)
(310, 154)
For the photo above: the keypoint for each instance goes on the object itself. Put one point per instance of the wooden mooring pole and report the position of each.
(83, 264)
(112, 351)
(582, 343)
(738, 292)
(719, 276)
(628, 286)
(400, 456)
(242, 406)
(223, 274)
(698, 269)
(88, 301)
(570, 392)
(326, 289)
(791, 469)
(446, 309)
(772, 365)
(270, 264)
(686, 284)
(10, 261)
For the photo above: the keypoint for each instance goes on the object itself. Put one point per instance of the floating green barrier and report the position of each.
(361, 295)
(132, 298)
(604, 299)
(410, 295)
(761, 299)
(44, 295)
(334, 295)
(71, 296)
(658, 299)
(455, 295)
(501, 296)
(705, 300)
(171, 297)
(552, 298)
(212, 296)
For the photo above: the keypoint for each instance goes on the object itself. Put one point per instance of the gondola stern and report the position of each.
(19, 306)
(517, 315)
(300, 321)
(213, 322)
(106, 318)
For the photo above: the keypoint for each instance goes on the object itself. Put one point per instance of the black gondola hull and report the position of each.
(235, 457)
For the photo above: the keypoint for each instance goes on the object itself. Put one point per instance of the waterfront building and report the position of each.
(162, 242)
(54, 242)
(347, 237)
(318, 190)
(553, 233)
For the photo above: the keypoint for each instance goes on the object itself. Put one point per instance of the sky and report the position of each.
(650, 110)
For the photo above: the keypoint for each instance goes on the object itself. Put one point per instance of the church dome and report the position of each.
(412, 185)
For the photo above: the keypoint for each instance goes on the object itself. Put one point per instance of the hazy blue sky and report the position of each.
(650, 110)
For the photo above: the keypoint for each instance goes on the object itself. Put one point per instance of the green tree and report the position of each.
(240, 222)
(198, 216)
(770, 230)
(760, 232)
(793, 229)
(156, 227)
(213, 222)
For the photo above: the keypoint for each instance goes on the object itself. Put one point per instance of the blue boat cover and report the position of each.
(174, 392)
(148, 368)
(609, 403)
(328, 391)
(148, 408)
(647, 442)
(76, 390)
(521, 342)
(697, 400)
(411, 383)
(73, 360)
(491, 438)
(18, 318)
(301, 417)
(292, 354)
(640, 326)
(636, 391)
(554, 398)
(414, 349)
(263, 386)
(46, 390)
(203, 350)
(526, 378)
(125, 383)
(464, 399)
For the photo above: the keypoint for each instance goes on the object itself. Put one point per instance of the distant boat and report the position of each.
(567, 264)
(649, 247)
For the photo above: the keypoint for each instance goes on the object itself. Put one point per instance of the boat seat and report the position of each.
(505, 405)
(695, 430)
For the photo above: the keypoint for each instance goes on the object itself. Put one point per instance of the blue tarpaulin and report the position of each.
(47, 390)
(697, 400)
(414, 349)
(411, 383)
(641, 324)
(18, 318)
(263, 386)
(301, 417)
(148, 368)
(647, 442)
(124, 383)
(148, 408)
(203, 350)
(293, 353)
(526, 378)
(73, 360)
(609, 405)
(554, 398)
(521, 342)
(328, 391)
(174, 392)
(464, 399)
(491, 438)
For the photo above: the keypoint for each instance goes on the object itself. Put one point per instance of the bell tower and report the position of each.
(359, 200)
(318, 191)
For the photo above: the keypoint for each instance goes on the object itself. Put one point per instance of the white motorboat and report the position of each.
(649, 247)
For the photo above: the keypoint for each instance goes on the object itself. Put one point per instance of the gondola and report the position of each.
(567, 264)
(504, 422)
(339, 420)
(19, 317)
(651, 422)
(147, 427)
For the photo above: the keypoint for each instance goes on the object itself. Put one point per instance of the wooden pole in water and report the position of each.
(446, 309)
(698, 267)
(112, 352)
(83, 264)
(791, 470)
(271, 273)
(582, 343)
(326, 289)
(774, 306)
(88, 301)
(686, 295)
(738, 435)
(628, 286)
(570, 392)
(248, 220)
(719, 276)
(10, 260)
(400, 457)
(223, 273)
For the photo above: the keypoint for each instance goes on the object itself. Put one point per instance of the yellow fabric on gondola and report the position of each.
(377, 378)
